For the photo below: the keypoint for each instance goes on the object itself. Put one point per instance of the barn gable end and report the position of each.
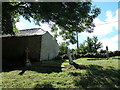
(49, 47)
(39, 42)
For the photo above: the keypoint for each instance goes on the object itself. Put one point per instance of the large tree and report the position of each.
(70, 17)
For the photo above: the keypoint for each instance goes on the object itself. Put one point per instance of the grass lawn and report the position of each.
(93, 73)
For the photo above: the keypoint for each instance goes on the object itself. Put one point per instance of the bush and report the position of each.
(111, 54)
(102, 51)
(93, 55)
(116, 53)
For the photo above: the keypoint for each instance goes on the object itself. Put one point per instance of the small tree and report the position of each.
(96, 44)
(91, 45)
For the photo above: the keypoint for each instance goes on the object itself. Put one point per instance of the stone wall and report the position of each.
(49, 47)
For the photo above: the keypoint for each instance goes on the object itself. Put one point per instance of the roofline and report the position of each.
(2, 36)
(51, 36)
(33, 29)
(5, 36)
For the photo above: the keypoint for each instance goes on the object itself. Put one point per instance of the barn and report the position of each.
(40, 43)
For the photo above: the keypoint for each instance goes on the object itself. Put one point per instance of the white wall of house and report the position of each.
(49, 47)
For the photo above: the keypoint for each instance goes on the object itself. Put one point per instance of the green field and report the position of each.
(92, 73)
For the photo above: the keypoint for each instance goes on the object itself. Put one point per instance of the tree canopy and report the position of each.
(70, 17)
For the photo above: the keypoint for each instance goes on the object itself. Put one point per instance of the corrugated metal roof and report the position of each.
(28, 32)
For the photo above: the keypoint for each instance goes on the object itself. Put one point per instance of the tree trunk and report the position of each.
(77, 40)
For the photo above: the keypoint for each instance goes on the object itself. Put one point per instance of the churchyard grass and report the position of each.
(99, 73)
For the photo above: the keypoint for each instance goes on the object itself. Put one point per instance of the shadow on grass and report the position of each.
(77, 66)
(116, 58)
(98, 59)
(44, 86)
(45, 67)
(97, 77)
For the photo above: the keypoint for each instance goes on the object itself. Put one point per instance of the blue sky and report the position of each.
(105, 6)
(106, 26)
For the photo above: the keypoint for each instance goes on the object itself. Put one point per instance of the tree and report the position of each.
(97, 45)
(70, 17)
(91, 45)
(82, 49)
(63, 47)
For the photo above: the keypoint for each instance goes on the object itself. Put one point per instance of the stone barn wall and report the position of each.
(13, 49)
(49, 47)
(41, 46)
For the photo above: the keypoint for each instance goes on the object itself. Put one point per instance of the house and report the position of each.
(40, 43)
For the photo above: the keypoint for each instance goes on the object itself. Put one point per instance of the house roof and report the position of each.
(28, 32)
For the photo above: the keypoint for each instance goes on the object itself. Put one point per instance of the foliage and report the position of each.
(63, 47)
(70, 17)
(102, 51)
(91, 45)
(111, 53)
(10, 16)
(116, 53)
(82, 49)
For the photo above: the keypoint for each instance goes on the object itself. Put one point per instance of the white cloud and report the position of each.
(111, 21)
(109, 14)
(104, 27)
(100, 29)
(112, 43)
(20, 25)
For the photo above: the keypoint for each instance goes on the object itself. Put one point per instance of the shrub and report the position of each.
(116, 53)
(111, 54)
(102, 51)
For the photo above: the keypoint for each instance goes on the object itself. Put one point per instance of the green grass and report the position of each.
(98, 73)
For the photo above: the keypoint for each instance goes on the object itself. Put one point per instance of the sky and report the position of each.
(106, 26)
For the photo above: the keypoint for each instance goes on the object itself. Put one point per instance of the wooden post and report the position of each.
(107, 53)
(28, 63)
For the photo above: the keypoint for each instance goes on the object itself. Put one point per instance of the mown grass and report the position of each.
(97, 73)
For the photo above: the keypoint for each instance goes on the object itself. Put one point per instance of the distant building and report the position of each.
(40, 43)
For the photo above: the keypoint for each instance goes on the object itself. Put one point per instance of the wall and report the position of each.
(13, 49)
(49, 47)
